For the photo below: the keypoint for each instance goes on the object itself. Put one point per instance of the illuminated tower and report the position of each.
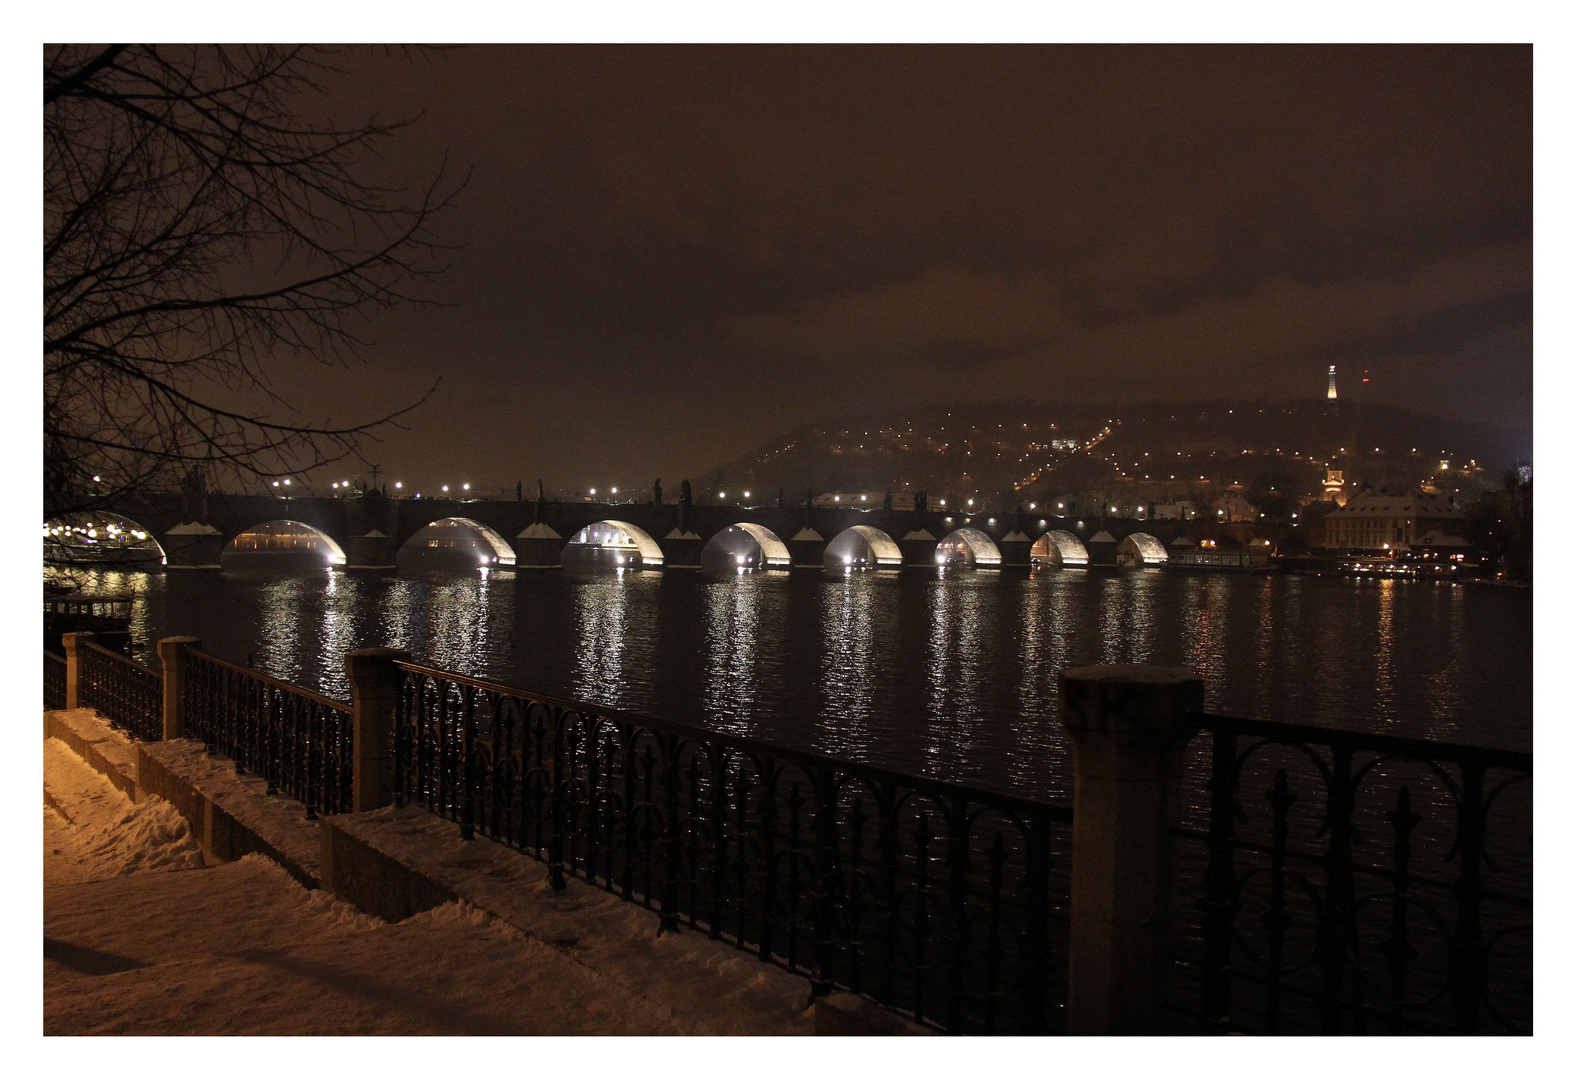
(1331, 392)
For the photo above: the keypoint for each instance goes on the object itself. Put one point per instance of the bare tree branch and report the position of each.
(196, 232)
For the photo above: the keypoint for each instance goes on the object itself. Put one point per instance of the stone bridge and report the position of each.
(372, 528)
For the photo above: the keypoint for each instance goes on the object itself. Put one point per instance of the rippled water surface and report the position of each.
(952, 674)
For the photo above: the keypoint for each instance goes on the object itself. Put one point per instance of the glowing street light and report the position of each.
(398, 485)
(467, 487)
(446, 487)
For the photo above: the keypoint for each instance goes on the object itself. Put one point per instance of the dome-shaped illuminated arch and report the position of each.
(1140, 549)
(621, 534)
(491, 548)
(884, 549)
(774, 552)
(100, 538)
(973, 545)
(1060, 548)
(286, 537)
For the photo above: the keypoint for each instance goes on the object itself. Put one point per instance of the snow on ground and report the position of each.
(92, 831)
(242, 948)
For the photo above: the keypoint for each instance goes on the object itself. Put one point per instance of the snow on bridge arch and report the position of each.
(285, 537)
(1140, 549)
(621, 534)
(968, 546)
(1059, 548)
(863, 545)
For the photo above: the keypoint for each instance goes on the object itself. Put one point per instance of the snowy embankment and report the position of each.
(92, 831)
(242, 948)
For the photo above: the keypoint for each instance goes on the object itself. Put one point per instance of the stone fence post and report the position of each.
(74, 666)
(1129, 728)
(374, 692)
(172, 658)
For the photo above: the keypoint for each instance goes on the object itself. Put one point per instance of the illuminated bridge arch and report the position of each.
(100, 538)
(883, 548)
(621, 534)
(286, 537)
(462, 535)
(1140, 549)
(968, 546)
(774, 552)
(1059, 548)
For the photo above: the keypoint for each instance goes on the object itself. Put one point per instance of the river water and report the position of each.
(949, 673)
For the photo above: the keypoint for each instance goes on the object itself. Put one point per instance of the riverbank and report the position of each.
(146, 935)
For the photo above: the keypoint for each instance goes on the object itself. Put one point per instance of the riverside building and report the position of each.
(1390, 523)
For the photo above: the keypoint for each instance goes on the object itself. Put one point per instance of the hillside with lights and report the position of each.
(1015, 452)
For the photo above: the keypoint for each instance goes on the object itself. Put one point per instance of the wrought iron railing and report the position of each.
(124, 692)
(54, 681)
(945, 901)
(297, 741)
(1343, 882)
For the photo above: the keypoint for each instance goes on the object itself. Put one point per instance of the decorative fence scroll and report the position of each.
(128, 695)
(1355, 883)
(945, 901)
(54, 681)
(298, 741)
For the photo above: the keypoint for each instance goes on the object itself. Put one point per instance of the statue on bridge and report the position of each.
(887, 501)
(518, 492)
(919, 501)
(657, 491)
(194, 494)
(684, 493)
(780, 498)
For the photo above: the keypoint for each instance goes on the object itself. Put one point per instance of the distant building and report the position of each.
(1370, 522)
(1232, 507)
(1330, 393)
(1175, 511)
(1333, 486)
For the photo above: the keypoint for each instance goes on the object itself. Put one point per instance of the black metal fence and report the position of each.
(124, 692)
(54, 681)
(945, 901)
(1340, 882)
(298, 741)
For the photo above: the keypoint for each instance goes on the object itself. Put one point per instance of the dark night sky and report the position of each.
(672, 253)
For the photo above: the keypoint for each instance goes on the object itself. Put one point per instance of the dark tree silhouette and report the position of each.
(197, 229)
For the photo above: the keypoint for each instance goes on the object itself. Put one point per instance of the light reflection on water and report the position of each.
(952, 673)
(731, 687)
(850, 635)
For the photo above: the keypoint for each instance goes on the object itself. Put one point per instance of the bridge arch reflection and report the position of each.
(100, 539)
(457, 543)
(1058, 548)
(283, 541)
(862, 547)
(628, 544)
(968, 547)
(744, 547)
(1140, 549)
